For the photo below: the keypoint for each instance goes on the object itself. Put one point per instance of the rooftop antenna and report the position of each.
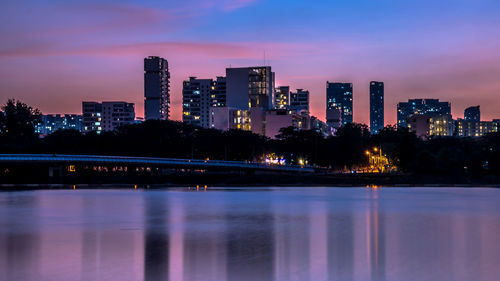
(265, 58)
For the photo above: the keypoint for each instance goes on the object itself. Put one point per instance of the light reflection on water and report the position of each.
(251, 234)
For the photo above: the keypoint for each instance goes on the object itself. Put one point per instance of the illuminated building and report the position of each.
(466, 128)
(198, 96)
(441, 126)
(497, 121)
(339, 109)
(431, 126)
(106, 116)
(156, 89)
(196, 101)
(218, 95)
(282, 97)
(54, 122)
(472, 113)
(299, 100)
(376, 106)
(250, 87)
(226, 118)
(92, 117)
(429, 107)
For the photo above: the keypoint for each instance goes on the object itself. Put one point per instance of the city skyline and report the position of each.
(98, 54)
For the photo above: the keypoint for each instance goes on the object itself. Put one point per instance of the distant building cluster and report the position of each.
(431, 118)
(248, 99)
(55, 122)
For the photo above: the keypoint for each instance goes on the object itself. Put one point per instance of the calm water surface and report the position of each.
(251, 234)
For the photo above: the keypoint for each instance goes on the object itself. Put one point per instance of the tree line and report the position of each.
(344, 151)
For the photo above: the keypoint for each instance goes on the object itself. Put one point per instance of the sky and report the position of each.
(56, 53)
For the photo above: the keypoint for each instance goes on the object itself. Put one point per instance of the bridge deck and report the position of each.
(145, 161)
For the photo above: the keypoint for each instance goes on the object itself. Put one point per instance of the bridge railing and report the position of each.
(117, 160)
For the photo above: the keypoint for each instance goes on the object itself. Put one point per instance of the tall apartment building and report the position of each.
(429, 107)
(218, 95)
(339, 104)
(299, 100)
(198, 97)
(156, 89)
(250, 87)
(472, 113)
(106, 116)
(282, 97)
(54, 122)
(376, 106)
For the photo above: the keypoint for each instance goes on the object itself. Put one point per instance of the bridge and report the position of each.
(97, 160)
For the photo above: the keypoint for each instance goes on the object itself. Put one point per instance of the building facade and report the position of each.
(198, 96)
(472, 113)
(465, 128)
(156, 89)
(299, 100)
(376, 106)
(116, 114)
(218, 95)
(425, 126)
(92, 117)
(227, 118)
(339, 104)
(429, 107)
(54, 122)
(250, 87)
(106, 116)
(282, 97)
(196, 101)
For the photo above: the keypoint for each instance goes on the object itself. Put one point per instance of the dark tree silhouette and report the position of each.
(18, 120)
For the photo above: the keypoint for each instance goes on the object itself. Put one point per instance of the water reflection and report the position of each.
(20, 247)
(268, 234)
(156, 239)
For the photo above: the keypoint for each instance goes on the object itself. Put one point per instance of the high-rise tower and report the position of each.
(376, 106)
(339, 104)
(156, 89)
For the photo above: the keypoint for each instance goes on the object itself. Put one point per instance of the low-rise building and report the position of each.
(282, 118)
(267, 123)
(466, 128)
(425, 126)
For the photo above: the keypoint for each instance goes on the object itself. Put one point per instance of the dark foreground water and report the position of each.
(251, 234)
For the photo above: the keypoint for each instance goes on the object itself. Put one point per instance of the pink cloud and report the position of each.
(244, 50)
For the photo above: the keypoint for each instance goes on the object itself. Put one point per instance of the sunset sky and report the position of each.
(56, 53)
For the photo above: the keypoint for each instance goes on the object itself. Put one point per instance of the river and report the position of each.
(264, 233)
